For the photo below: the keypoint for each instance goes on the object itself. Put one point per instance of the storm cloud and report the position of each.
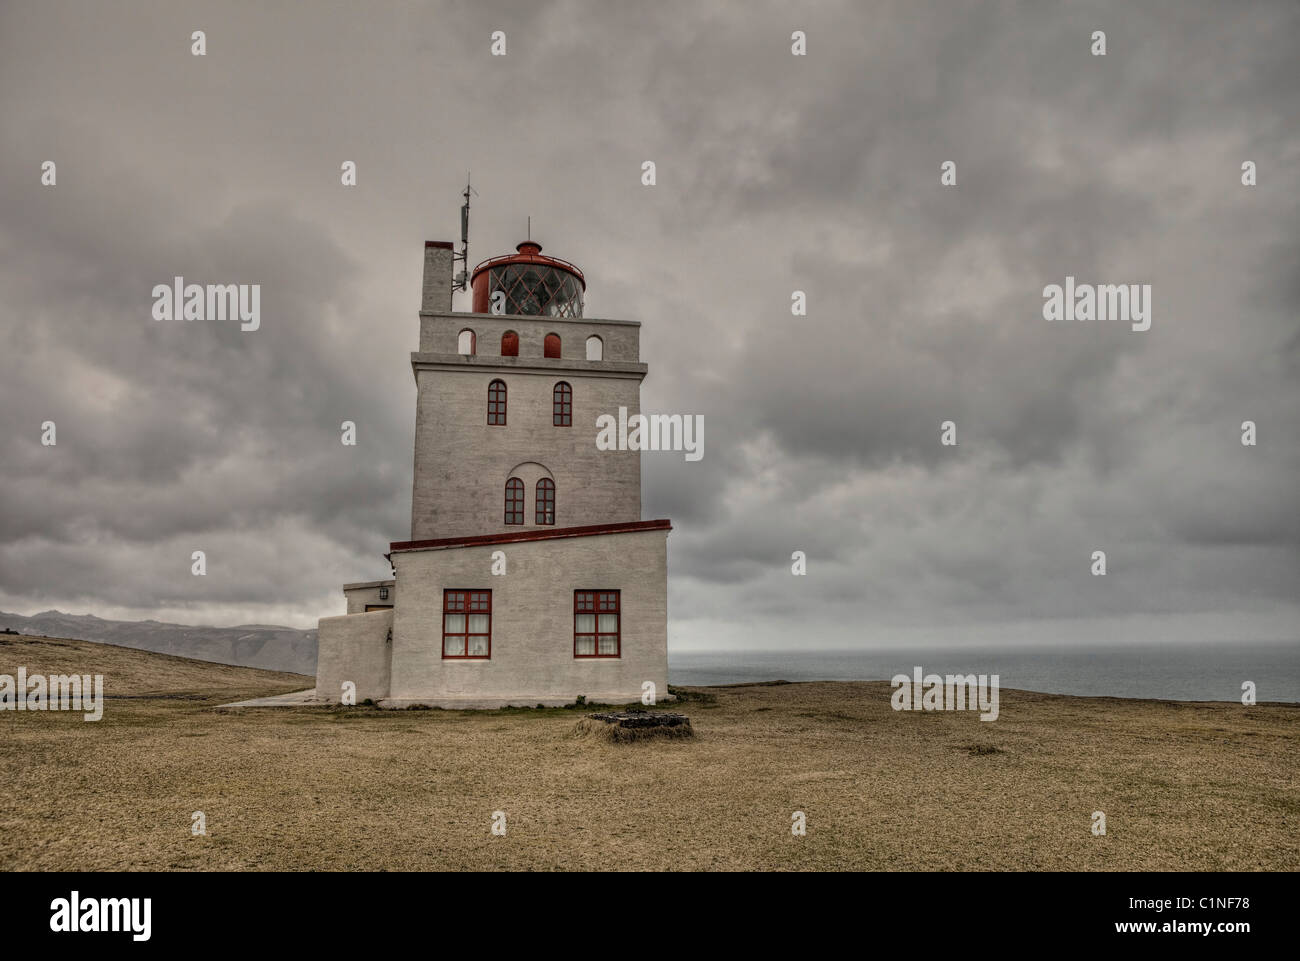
(775, 173)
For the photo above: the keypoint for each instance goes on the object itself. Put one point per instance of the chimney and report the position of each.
(437, 276)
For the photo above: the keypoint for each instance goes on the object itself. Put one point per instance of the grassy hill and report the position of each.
(128, 671)
(1183, 785)
(251, 645)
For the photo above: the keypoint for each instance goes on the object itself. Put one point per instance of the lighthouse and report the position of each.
(529, 575)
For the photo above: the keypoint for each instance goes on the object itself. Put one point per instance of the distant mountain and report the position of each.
(249, 645)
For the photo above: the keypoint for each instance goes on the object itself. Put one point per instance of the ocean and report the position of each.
(1200, 672)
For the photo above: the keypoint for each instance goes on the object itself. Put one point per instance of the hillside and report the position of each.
(129, 672)
(249, 645)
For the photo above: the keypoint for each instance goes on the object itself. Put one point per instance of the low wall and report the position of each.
(356, 648)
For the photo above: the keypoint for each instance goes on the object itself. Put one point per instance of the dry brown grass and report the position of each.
(1183, 785)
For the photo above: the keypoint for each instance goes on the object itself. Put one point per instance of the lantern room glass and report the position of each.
(537, 290)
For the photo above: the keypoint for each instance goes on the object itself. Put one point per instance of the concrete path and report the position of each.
(292, 699)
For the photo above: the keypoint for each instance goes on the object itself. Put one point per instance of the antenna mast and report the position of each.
(462, 278)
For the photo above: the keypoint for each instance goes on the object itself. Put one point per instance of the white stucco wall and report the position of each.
(366, 593)
(462, 463)
(532, 622)
(354, 647)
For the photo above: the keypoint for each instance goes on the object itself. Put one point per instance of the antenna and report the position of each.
(462, 278)
(530, 228)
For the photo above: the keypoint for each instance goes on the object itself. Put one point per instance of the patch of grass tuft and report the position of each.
(980, 750)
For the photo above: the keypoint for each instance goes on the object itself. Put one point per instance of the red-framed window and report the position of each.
(596, 624)
(514, 501)
(562, 405)
(467, 624)
(551, 345)
(545, 501)
(497, 403)
(509, 344)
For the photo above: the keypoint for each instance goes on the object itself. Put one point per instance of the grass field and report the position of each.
(1185, 786)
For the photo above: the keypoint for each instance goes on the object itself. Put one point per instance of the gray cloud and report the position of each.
(775, 173)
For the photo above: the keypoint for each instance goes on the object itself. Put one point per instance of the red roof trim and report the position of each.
(444, 244)
(523, 258)
(628, 527)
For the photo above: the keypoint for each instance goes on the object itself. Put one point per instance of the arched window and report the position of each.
(595, 348)
(562, 405)
(551, 346)
(545, 501)
(514, 501)
(497, 403)
(509, 344)
(465, 343)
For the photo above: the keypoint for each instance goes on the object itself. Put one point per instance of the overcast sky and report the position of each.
(819, 173)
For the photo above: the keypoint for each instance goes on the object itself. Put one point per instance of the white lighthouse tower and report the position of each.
(529, 576)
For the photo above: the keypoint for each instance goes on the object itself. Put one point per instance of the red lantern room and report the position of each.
(533, 284)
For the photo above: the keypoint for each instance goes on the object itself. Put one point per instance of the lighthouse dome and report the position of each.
(533, 284)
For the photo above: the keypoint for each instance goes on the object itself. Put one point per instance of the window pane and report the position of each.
(586, 645)
(497, 402)
(545, 501)
(478, 623)
(608, 623)
(478, 646)
(585, 624)
(608, 644)
(453, 623)
(453, 646)
(562, 406)
(514, 501)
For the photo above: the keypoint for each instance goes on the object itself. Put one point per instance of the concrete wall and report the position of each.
(440, 330)
(367, 592)
(532, 622)
(462, 463)
(356, 648)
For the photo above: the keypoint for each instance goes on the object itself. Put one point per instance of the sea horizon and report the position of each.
(1165, 671)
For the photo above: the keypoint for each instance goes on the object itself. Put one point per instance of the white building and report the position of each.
(529, 576)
